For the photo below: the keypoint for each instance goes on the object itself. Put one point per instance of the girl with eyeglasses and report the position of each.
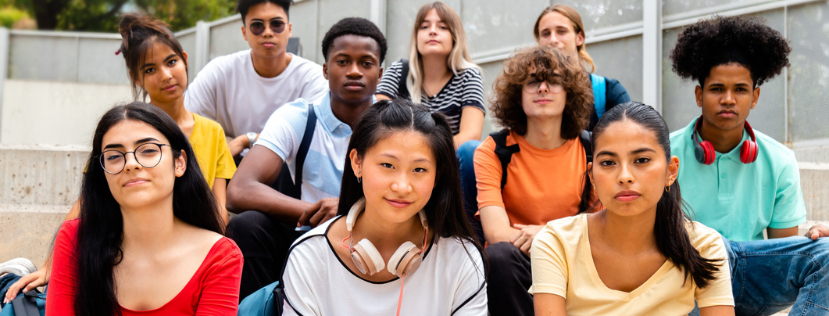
(157, 67)
(149, 239)
(641, 254)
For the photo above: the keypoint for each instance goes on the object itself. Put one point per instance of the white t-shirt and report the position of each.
(450, 281)
(323, 168)
(229, 91)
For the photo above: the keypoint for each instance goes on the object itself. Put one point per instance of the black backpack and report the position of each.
(283, 182)
(505, 152)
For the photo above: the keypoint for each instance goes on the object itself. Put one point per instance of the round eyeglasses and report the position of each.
(553, 85)
(258, 27)
(147, 155)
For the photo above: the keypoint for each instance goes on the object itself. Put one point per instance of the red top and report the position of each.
(213, 289)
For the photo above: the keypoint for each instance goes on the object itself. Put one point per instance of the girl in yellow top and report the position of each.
(641, 255)
(157, 67)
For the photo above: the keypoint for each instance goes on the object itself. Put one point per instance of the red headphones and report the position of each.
(706, 154)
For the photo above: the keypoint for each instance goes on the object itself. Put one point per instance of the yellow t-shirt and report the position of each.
(562, 264)
(210, 147)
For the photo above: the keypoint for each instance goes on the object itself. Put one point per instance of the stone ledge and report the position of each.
(29, 230)
(41, 174)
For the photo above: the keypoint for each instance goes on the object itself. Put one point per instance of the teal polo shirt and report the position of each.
(740, 200)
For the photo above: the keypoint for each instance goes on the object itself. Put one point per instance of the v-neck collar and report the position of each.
(594, 273)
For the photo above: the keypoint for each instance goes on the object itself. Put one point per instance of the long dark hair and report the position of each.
(101, 224)
(138, 34)
(444, 210)
(671, 236)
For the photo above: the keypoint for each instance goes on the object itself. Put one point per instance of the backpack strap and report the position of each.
(504, 152)
(586, 137)
(307, 137)
(402, 89)
(599, 94)
(279, 295)
(26, 304)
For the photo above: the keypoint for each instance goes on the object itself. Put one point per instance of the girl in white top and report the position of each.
(401, 193)
(641, 255)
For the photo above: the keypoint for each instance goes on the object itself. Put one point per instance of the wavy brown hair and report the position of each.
(506, 101)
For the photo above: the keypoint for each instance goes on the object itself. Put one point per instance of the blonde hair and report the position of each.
(578, 27)
(458, 59)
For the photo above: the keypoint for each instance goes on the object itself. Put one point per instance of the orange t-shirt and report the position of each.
(542, 184)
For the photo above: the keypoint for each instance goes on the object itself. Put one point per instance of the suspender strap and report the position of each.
(504, 152)
(307, 137)
(599, 94)
(586, 137)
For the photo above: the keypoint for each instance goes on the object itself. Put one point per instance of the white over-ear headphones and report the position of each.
(368, 260)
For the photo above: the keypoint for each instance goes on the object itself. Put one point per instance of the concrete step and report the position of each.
(41, 174)
(28, 230)
(814, 182)
(816, 153)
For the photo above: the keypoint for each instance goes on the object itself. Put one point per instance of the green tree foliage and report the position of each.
(103, 15)
(10, 15)
(182, 14)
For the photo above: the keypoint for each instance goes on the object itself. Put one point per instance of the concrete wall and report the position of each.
(41, 174)
(814, 182)
(29, 230)
(51, 112)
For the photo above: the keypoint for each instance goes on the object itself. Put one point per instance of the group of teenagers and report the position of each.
(366, 191)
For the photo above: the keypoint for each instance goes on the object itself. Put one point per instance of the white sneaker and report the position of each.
(18, 266)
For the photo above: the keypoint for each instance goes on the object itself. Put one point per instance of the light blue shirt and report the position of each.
(323, 169)
(740, 200)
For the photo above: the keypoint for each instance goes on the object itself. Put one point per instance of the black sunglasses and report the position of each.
(258, 27)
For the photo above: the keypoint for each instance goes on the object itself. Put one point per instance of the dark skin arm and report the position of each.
(250, 190)
(781, 232)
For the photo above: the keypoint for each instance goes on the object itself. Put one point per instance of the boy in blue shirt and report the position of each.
(354, 50)
(742, 182)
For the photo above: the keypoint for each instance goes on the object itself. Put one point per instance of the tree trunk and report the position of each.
(46, 12)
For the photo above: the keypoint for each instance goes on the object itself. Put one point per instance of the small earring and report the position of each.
(359, 179)
(668, 188)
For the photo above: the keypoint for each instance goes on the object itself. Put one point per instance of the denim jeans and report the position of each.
(465, 153)
(768, 276)
(6, 282)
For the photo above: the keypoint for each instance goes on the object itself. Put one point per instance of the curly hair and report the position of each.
(722, 40)
(506, 102)
(354, 26)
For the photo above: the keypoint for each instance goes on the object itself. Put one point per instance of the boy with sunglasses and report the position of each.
(354, 49)
(241, 90)
(744, 183)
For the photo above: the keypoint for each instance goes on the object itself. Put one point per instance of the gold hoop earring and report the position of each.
(668, 188)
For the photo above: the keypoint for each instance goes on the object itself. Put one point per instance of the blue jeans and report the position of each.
(465, 153)
(768, 276)
(6, 282)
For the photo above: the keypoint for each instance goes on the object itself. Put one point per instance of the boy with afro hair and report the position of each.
(745, 182)
(354, 49)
